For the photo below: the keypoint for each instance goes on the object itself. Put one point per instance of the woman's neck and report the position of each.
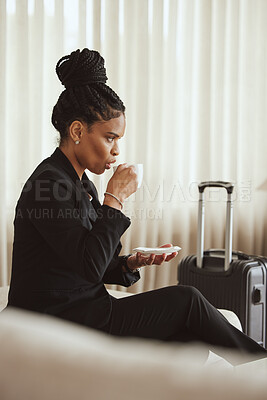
(68, 152)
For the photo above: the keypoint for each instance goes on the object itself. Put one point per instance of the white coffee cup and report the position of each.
(139, 171)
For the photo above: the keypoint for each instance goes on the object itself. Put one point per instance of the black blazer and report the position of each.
(66, 246)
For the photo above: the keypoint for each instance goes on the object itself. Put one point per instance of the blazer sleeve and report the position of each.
(87, 252)
(116, 276)
(114, 273)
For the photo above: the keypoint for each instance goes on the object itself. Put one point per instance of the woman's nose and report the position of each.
(115, 150)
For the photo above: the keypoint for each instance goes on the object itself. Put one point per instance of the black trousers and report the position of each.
(177, 313)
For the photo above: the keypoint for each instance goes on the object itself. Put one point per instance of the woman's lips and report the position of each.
(108, 165)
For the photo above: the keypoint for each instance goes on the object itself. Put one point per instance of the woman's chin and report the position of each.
(97, 171)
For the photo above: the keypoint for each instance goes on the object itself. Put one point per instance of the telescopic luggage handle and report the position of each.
(226, 185)
(229, 221)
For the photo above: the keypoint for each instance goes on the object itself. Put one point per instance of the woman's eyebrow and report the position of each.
(115, 134)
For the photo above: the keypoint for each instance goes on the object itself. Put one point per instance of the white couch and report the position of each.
(43, 358)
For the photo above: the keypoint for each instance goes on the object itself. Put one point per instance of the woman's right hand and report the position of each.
(122, 184)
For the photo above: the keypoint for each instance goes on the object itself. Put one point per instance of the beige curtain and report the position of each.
(192, 74)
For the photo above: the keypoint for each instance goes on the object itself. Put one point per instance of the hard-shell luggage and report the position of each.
(231, 280)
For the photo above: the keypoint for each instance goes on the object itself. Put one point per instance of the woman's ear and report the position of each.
(76, 130)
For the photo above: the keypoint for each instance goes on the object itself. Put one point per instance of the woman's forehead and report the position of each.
(114, 125)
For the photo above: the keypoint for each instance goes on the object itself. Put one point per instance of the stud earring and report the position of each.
(77, 141)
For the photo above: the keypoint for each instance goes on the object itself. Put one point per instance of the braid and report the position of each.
(86, 97)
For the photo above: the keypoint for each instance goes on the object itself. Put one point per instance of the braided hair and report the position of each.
(86, 96)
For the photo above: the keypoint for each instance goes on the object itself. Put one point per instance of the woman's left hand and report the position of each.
(138, 260)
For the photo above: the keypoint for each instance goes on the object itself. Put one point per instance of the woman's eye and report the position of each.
(110, 139)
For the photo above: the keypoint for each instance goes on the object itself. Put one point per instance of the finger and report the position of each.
(146, 260)
(163, 259)
(132, 172)
(121, 167)
(132, 167)
(143, 260)
(160, 259)
(139, 259)
(171, 256)
(151, 259)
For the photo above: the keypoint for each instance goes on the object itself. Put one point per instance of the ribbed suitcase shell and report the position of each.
(242, 288)
(230, 280)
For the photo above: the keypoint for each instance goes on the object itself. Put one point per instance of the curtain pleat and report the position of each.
(3, 155)
(36, 72)
(192, 75)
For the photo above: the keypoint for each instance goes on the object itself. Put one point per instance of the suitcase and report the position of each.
(231, 280)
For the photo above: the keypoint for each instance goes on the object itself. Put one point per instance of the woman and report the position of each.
(67, 245)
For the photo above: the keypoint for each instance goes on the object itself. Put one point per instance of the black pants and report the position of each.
(177, 313)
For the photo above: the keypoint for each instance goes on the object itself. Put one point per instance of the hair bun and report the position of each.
(81, 68)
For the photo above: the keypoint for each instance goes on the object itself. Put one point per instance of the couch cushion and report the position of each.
(45, 358)
(3, 296)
